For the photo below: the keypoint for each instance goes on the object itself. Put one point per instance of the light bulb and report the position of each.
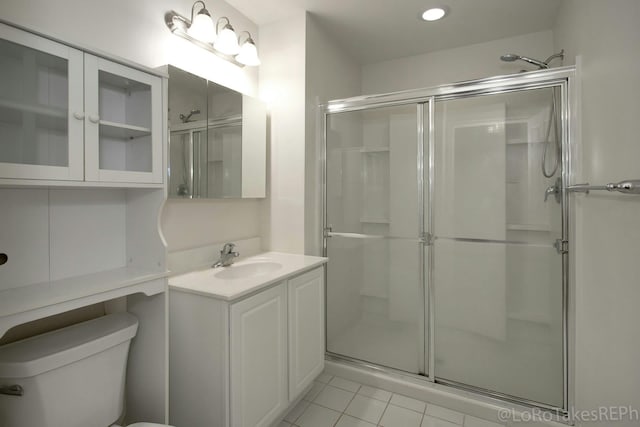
(227, 41)
(248, 54)
(434, 14)
(202, 27)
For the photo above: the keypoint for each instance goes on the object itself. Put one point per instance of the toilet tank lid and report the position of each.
(42, 353)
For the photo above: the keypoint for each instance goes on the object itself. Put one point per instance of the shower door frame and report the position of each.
(563, 78)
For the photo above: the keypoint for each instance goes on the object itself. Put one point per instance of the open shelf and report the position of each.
(122, 131)
(26, 303)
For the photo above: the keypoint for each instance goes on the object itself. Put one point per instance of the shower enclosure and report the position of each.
(447, 246)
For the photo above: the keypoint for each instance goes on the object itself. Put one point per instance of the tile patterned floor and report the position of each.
(338, 402)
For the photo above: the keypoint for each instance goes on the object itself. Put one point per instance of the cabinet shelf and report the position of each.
(523, 141)
(41, 110)
(122, 131)
(373, 150)
(54, 118)
(375, 220)
(528, 227)
(27, 303)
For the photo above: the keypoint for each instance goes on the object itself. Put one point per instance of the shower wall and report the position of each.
(453, 65)
(607, 235)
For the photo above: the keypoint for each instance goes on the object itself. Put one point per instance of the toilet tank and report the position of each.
(71, 377)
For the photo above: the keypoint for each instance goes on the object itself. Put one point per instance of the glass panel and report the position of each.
(497, 276)
(375, 308)
(34, 106)
(225, 159)
(374, 301)
(372, 182)
(180, 164)
(125, 124)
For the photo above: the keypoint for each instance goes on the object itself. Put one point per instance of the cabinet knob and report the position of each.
(94, 118)
(78, 116)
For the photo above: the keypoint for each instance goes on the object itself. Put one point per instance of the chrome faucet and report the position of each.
(227, 256)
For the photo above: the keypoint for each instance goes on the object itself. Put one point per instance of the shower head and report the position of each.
(511, 57)
(185, 119)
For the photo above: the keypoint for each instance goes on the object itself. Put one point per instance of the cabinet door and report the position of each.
(123, 130)
(306, 330)
(259, 358)
(41, 108)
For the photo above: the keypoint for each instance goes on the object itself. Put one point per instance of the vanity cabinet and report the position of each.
(67, 115)
(241, 363)
(259, 358)
(306, 330)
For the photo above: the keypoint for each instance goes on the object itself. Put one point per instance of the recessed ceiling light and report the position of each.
(434, 14)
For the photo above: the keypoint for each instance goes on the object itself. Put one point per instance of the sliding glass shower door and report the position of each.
(497, 254)
(446, 228)
(374, 279)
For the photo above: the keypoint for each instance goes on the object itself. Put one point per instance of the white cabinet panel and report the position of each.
(259, 358)
(24, 237)
(306, 330)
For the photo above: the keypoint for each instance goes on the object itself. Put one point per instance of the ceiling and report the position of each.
(378, 30)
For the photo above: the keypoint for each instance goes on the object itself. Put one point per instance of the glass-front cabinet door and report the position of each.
(41, 108)
(123, 130)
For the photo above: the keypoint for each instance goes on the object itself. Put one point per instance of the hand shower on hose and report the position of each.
(553, 112)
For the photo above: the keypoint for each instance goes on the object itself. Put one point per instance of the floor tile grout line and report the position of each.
(352, 397)
(362, 419)
(386, 402)
(384, 412)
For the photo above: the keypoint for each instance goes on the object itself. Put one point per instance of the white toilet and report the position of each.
(72, 377)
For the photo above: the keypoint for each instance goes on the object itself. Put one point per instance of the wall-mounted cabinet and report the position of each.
(67, 115)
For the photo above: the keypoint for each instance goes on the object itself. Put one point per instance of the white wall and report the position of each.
(136, 31)
(606, 36)
(282, 87)
(453, 65)
(330, 73)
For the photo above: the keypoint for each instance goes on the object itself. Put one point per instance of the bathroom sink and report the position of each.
(247, 270)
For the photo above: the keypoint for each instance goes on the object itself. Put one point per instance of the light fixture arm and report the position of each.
(221, 19)
(193, 8)
(248, 39)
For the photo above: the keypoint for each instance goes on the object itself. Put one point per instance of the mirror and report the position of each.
(217, 140)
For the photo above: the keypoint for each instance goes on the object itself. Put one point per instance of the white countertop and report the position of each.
(205, 282)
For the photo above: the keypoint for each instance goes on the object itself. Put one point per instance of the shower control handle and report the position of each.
(554, 189)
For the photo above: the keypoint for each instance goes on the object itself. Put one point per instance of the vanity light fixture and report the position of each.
(248, 53)
(434, 14)
(220, 39)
